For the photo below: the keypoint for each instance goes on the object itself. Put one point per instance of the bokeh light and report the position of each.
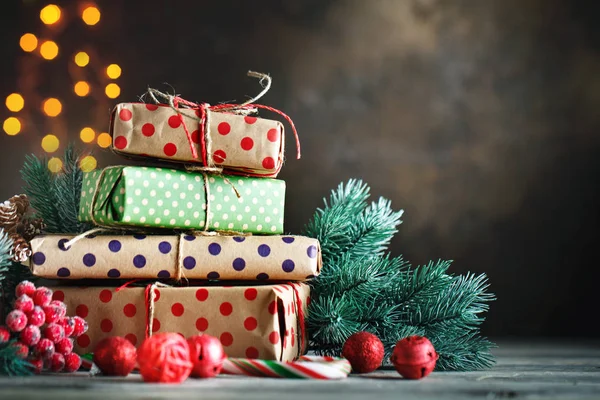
(112, 90)
(11, 126)
(55, 164)
(81, 88)
(104, 140)
(91, 15)
(88, 163)
(87, 135)
(49, 50)
(28, 42)
(50, 14)
(113, 71)
(82, 59)
(50, 143)
(52, 107)
(15, 102)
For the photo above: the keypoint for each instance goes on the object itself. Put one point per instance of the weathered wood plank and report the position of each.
(524, 370)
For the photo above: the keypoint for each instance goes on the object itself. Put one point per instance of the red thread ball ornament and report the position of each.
(364, 351)
(115, 356)
(207, 355)
(414, 357)
(164, 358)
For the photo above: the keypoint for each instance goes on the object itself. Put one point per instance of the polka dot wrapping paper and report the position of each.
(168, 198)
(258, 321)
(242, 144)
(283, 258)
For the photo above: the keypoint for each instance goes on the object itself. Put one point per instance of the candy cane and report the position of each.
(307, 367)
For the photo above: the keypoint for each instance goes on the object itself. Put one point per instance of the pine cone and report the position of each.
(21, 203)
(30, 228)
(9, 216)
(21, 250)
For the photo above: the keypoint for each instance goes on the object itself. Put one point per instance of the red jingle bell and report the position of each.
(414, 357)
(364, 351)
(207, 355)
(115, 356)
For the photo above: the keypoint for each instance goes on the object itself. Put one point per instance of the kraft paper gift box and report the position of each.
(241, 144)
(168, 198)
(251, 321)
(283, 258)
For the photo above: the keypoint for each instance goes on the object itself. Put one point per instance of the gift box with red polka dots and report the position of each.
(281, 258)
(259, 321)
(240, 144)
(168, 198)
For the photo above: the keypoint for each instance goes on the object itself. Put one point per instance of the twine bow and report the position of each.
(203, 110)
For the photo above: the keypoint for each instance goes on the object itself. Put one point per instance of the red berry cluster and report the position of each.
(43, 329)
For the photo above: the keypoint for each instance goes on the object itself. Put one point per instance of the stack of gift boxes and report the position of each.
(190, 232)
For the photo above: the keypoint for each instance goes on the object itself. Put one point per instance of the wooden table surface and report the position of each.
(525, 370)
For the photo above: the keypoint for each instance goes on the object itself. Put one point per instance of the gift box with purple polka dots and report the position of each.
(262, 258)
(175, 199)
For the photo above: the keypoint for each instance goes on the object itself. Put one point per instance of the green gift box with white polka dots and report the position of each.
(175, 199)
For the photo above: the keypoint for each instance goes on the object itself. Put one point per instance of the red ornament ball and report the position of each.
(64, 346)
(44, 349)
(42, 296)
(4, 334)
(57, 362)
(16, 320)
(364, 351)
(79, 326)
(22, 350)
(37, 316)
(164, 358)
(115, 356)
(25, 288)
(37, 365)
(207, 355)
(54, 332)
(414, 357)
(72, 362)
(54, 312)
(24, 303)
(30, 336)
(68, 325)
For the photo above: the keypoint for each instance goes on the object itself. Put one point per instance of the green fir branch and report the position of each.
(11, 363)
(362, 289)
(55, 197)
(41, 190)
(68, 185)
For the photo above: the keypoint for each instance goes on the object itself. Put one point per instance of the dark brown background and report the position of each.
(478, 117)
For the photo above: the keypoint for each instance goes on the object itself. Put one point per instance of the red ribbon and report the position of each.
(300, 319)
(201, 108)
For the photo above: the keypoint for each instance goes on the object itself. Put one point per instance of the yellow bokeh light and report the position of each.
(82, 59)
(104, 140)
(12, 126)
(50, 14)
(50, 143)
(112, 90)
(49, 50)
(88, 163)
(91, 15)
(81, 88)
(55, 164)
(15, 102)
(113, 71)
(87, 135)
(28, 42)
(52, 107)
